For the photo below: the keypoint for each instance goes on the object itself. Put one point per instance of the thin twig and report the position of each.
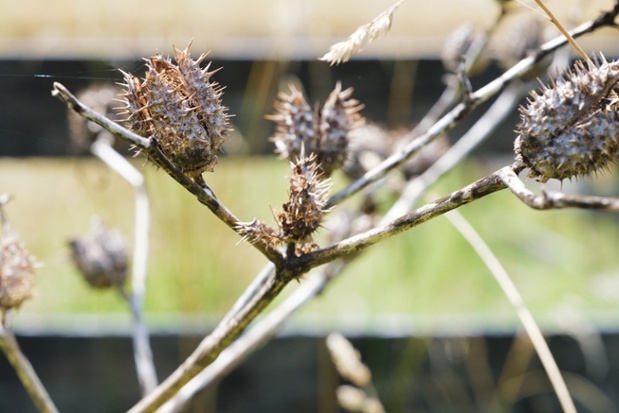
(145, 366)
(563, 30)
(553, 200)
(499, 110)
(514, 297)
(24, 370)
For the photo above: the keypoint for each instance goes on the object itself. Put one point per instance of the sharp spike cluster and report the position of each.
(180, 106)
(322, 132)
(301, 216)
(570, 129)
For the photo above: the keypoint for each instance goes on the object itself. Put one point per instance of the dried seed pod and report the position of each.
(180, 106)
(570, 129)
(296, 125)
(301, 216)
(16, 273)
(101, 256)
(339, 115)
(304, 211)
(323, 133)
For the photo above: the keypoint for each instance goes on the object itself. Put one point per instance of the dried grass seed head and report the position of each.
(570, 129)
(181, 107)
(16, 273)
(101, 256)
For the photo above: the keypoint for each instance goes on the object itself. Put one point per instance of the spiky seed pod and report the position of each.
(304, 211)
(101, 256)
(570, 129)
(296, 128)
(16, 273)
(181, 107)
(301, 216)
(339, 115)
(323, 132)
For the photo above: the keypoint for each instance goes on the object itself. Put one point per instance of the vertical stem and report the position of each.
(145, 366)
(514, 297)
(25, 371)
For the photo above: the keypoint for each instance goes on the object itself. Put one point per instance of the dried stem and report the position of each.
(562, 29)
(553, 200)
(514, 297)
(24, 370)
(145, 365)
(477, 190)
(499, 110)
(254, 338)
(212, 345)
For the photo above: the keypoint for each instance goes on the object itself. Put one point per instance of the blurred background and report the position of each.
(422, 308)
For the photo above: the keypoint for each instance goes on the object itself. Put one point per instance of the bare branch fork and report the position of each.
(290, 267)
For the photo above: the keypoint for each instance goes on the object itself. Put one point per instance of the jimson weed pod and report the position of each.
(570, 129)
(180, 106)
(322, 132)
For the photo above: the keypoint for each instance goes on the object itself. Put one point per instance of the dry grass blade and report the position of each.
(341, 52)
(514, 297)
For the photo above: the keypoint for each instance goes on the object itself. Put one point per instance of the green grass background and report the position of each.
(560, 260)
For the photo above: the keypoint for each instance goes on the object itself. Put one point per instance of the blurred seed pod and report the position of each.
(101, 98)
(425, 158)
(368, 146)
(524, 36)
(347, 360)
(457, 48)
(101, 256)
(570, 129)
(323, 133)
(16, 273)
(180, 106)
(296, 128)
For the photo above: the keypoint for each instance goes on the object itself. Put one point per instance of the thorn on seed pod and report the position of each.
(570, 129)
(180, 105)
(101, 256)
